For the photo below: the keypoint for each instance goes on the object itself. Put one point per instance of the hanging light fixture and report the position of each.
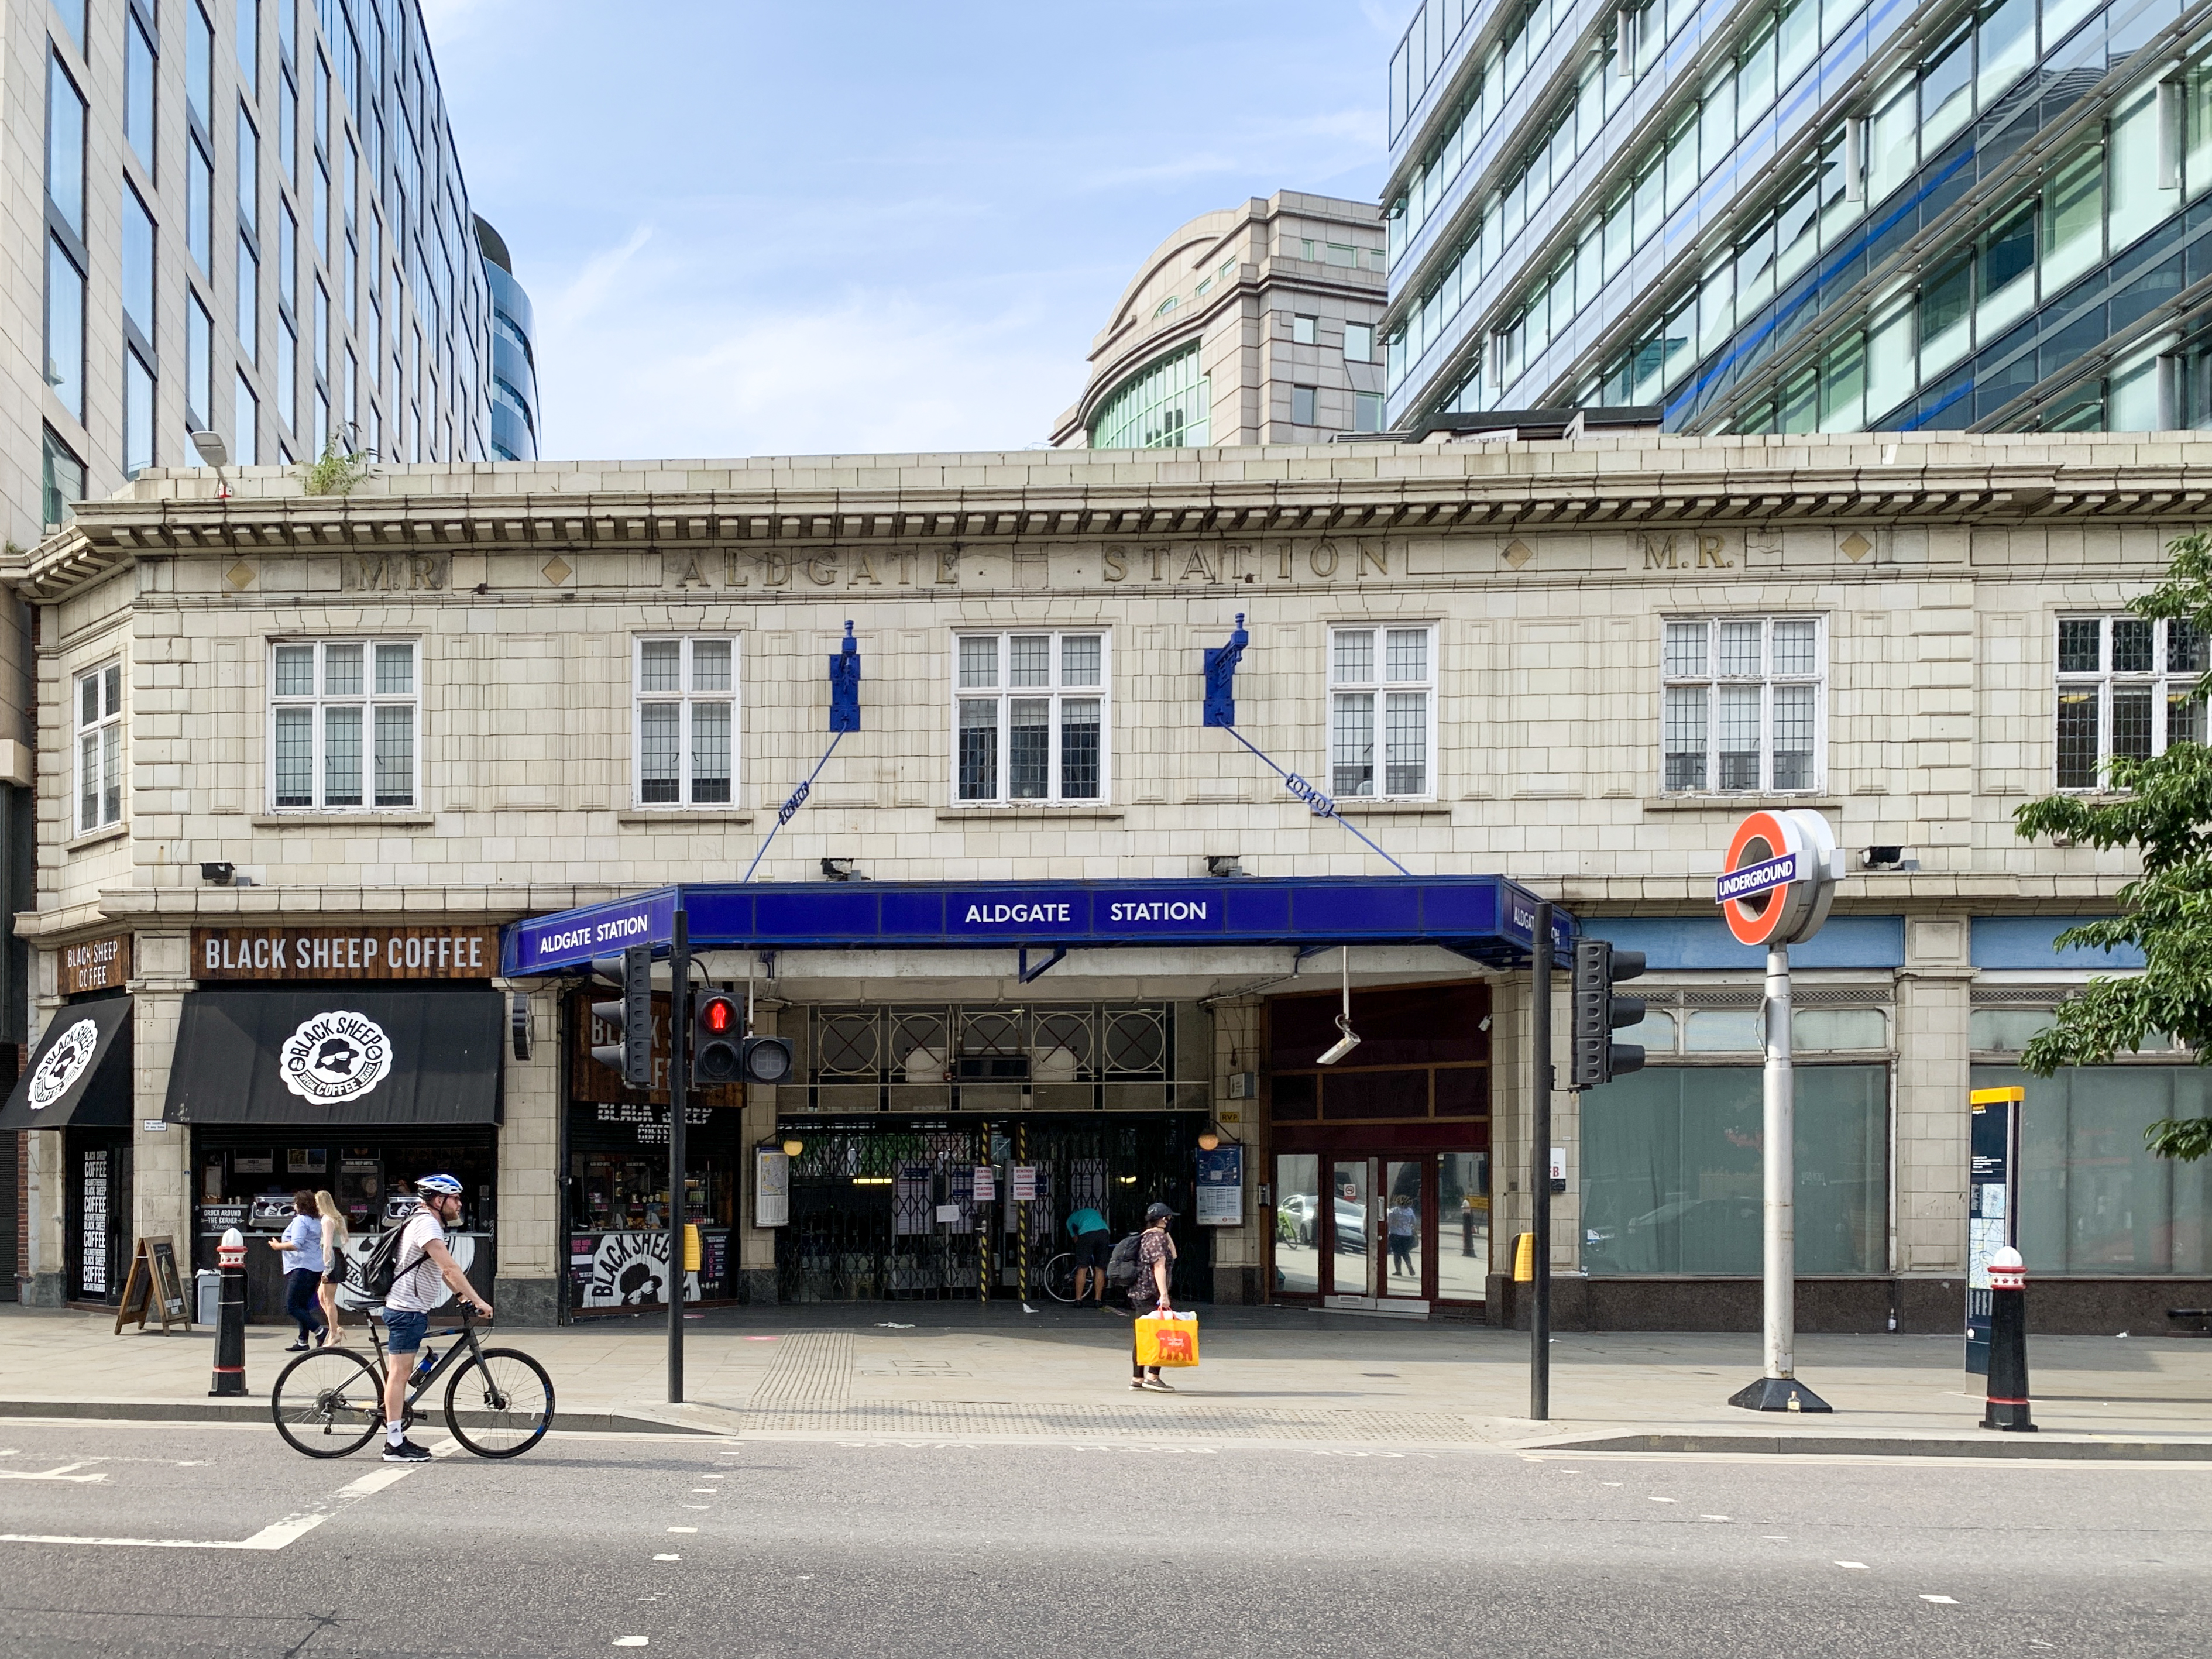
(794, 1147)
(1208, 1138)
(1345, 1044)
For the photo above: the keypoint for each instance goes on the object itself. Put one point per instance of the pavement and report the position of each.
(210, 1540)
(1268, 1374)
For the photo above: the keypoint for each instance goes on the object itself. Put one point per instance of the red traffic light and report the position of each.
(718, 1015)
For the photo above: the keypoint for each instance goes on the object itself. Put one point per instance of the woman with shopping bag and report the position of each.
(1149, 1299)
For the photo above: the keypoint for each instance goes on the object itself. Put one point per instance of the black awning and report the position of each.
(80, 1072)
(339, 1056)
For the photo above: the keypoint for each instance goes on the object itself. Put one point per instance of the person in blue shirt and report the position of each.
(302, 1248)
(1093, 1244)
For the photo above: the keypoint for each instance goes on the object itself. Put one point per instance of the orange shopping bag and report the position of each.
(1167, 1339)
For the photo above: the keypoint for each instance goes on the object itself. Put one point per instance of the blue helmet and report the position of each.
(439, 1183)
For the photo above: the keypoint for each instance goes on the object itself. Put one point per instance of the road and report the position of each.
(775, 1548)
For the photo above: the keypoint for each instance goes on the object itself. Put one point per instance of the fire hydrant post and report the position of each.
(230, 1322)
(2008, 1399)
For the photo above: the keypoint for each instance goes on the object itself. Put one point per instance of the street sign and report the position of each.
(1779, 877)
(1776, 884)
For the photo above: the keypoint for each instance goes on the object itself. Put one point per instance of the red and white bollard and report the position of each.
(230, 1319)
(2007, 1395)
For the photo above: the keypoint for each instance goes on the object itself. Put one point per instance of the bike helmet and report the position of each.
(439, 1183)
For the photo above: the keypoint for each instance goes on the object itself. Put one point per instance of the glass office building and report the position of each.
(1813, 215)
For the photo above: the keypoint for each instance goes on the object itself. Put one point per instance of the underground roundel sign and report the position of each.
(63, 1064)
(1778, 878)
(335, 1056)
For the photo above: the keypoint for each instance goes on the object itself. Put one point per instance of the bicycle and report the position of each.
(328, 1402)
(1060, 1277)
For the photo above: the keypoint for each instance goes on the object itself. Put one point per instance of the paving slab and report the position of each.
(956, 1369)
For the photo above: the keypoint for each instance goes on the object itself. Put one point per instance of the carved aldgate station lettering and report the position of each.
(1703, 552)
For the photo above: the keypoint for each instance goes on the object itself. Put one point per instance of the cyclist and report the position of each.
(416, 1290)
(1093, 1242)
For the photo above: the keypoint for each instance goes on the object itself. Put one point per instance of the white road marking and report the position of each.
(1716, 1517)
(684, 1529)
(274, 1536)
(1649, 1498)
(1775, 1537)
(709, 1491)
(61, 1474)
(1856, 1566)
(668, 1558)
(632, 1641)
(1942, 1600)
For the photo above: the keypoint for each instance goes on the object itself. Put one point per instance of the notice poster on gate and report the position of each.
(987, 1184)
(1221, 1187)
(1022, 1182)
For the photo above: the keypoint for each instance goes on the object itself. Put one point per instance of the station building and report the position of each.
(368, 745)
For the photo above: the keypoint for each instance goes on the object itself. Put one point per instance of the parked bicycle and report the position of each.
(498, 1403)
(1060, 1277)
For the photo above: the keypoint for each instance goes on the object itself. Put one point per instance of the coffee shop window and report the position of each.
(342, 725)
(100, 748)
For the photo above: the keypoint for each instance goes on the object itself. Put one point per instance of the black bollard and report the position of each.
(2008, 1406)
(230, 1320)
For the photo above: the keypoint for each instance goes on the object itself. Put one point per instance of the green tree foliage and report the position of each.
(2163, 809)
(336, 473)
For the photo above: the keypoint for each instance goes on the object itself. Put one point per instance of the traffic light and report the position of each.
(765, 1059)
(1598, 1013)
(716, 1027)
(631, 1059)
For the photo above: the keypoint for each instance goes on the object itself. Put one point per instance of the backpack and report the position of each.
(1122, 1267)
(382, 1267)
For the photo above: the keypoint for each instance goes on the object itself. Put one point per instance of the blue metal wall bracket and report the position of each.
(1029, 974)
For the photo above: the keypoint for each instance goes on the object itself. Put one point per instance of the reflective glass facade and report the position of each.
(1163, 406)
(1822, 215)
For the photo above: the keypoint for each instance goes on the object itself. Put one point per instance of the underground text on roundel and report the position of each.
(1756, 878)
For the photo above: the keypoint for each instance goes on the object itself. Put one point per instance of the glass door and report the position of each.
(1352, 1194)
(1406, 1228)
(1462, 1226)
(1297, 1224)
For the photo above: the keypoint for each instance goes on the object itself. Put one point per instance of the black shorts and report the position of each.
(1091, 1250)
(334, 1276)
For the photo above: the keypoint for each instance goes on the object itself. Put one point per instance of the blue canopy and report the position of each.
(1487, 919)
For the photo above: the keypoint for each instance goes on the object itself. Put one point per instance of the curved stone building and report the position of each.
(1251, 325)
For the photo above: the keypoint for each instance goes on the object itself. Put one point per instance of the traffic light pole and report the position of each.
(1540, 1164)
(679, 1062)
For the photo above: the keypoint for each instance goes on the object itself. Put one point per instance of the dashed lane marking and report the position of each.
(274, 1536)
(1856, 1566)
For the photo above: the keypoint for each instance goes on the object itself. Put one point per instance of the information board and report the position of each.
(1221, 1187)
(1992, 1206)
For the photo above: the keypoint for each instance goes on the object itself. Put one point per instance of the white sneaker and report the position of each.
(1159, 1383)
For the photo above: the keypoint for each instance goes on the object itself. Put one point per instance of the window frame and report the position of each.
(106, 729)
(689, 698)
(1378, 688)
(318, 700)
(2162, 682)
(1057, 692)
(1766, 679)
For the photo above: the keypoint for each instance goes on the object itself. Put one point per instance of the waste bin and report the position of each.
(207, 1297)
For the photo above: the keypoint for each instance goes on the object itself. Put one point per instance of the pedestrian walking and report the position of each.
(301, 1247)
(1404, 1223)
(1093, 1243)
(1156, 1256)
(334, 1242)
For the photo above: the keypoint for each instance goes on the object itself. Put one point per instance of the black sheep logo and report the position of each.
(338, 1057)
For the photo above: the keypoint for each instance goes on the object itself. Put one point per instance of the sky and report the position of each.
(872, 225)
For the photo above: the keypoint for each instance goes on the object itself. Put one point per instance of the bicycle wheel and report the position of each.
(328, 1403)
(508, 1401)
(1060, 1277)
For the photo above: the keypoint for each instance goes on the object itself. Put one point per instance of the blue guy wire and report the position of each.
(1221, 663)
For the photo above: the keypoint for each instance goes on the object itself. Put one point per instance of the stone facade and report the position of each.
(1266, 291)
(1938, 569)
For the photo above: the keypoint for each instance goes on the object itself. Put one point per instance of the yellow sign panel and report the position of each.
(1981, 1098)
